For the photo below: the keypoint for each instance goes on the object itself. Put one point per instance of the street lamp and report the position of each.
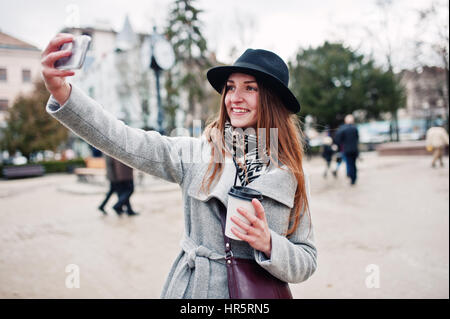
(162, 58)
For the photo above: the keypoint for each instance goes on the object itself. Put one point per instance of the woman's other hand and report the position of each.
(257, 233)
(55, 79)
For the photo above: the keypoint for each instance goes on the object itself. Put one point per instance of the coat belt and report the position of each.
(196, 257)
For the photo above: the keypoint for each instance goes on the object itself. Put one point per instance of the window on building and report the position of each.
(3, 74)
(3, 104)
(26, 76)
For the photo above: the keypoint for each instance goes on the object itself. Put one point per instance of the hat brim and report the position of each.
(218, 76)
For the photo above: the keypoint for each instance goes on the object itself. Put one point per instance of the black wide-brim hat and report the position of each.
(265, 66)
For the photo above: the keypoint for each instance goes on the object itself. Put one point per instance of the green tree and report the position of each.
(29, 128)
(184, 32)
(332, 81)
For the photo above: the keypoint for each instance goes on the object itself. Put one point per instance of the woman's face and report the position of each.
(242, 99)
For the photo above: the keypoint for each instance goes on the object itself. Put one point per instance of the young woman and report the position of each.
(254, 96)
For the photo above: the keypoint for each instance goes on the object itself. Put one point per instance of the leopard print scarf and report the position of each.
(244, 148)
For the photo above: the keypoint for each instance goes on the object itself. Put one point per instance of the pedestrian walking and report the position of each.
(347, 136)
(113, 187)
(279, 237)
(339, 159)
(327, 153)
(125, 188)
(121, 182)
(436, 141)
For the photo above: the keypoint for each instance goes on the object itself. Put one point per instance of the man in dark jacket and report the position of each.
(347, 137)
(120, 177)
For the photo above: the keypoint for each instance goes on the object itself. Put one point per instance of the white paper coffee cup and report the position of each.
(239, 196)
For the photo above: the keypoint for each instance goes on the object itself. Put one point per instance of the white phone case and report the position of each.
(79, 48)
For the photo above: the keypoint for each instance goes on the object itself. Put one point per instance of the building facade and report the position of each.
(117, 74)
(426, 94)
(114, 74)
(19, 68)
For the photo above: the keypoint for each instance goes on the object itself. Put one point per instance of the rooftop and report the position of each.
(9, 42)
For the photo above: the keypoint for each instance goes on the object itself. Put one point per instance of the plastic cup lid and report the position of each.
(245, 193)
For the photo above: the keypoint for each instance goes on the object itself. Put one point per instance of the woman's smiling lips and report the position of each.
(239, 111)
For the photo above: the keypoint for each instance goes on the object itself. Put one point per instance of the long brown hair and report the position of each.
(271, 114)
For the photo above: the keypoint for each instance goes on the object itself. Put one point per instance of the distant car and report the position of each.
(317, 141)
(19, 160)
(373, 132)
(412, 129)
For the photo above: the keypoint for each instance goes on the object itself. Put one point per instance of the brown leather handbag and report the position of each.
(247, 279)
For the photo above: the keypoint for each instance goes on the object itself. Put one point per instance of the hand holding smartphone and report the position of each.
(79, 47)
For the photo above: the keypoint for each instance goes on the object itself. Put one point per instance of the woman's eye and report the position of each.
(229, 87)
(252, 88)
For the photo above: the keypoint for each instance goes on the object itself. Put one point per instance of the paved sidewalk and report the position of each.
(390, 231)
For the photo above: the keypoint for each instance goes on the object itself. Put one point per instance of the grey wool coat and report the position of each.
(199, 271)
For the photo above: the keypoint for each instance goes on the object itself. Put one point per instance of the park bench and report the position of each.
(405, 148)
(95, 169)
(23, 171)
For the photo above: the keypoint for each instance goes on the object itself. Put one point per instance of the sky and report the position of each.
(282, 26)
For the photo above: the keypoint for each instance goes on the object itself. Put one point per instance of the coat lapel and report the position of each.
(219, 189)
(278, 184)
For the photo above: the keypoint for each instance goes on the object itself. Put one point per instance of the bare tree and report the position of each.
(245, 27)
(386, 38)
(433, 27)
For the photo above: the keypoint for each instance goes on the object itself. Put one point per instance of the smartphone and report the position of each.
(79, 47)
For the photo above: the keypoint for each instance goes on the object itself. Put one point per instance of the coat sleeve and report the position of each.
(147, 151)
(292, 259)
